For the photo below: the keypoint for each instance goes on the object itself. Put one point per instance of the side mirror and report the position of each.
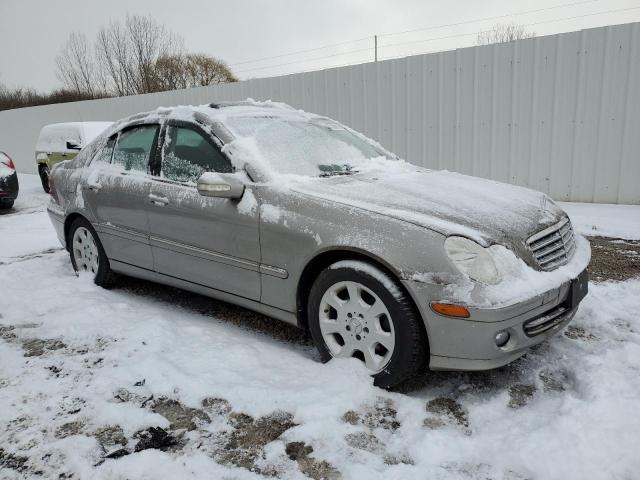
(220, 185)
(73, 145)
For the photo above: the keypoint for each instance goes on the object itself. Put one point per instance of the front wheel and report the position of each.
(356, 310)
(6, 204)
(87, 253)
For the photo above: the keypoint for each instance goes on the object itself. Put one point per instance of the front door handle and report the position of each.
(160, 201)
(94, 186)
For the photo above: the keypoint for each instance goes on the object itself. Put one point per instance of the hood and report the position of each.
(450, 203)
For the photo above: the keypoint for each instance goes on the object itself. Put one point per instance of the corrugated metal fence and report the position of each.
(559, 113)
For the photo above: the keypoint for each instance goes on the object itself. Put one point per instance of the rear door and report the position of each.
(203, 240)
(117, 191)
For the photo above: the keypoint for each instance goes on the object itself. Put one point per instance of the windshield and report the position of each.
(317, 147)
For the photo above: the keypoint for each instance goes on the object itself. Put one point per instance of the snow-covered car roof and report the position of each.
(216, 112)
(252, 106)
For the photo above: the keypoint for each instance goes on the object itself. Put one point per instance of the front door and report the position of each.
(203, 240)
(116, 191)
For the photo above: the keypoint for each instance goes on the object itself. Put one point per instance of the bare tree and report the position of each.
(112, 53)
(127, 54)
(191, 70)
(206, 70)
(76, 68)
(170, 73)
(136, 56)
(149, 41)
(503, 32)
(26, 97)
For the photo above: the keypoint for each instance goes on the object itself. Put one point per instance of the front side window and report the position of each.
(187, 155)
(134, 147)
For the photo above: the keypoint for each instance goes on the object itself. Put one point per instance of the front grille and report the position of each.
(545, 322)
(553, 246)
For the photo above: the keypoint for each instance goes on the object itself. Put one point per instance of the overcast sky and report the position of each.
(237, 31)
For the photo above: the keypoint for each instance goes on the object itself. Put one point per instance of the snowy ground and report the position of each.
(87, 373)
(618, 221)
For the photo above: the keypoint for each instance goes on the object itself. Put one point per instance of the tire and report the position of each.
(87, 253)
(383, 322)
(6, 204)
(44, 177)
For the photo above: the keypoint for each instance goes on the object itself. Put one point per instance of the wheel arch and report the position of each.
(68, 221)
(328, 257)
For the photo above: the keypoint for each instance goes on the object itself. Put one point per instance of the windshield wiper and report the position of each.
(336, 173)
(334, 170)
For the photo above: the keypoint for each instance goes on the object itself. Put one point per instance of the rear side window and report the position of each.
(105, 153)
(187, 155)
(134, 147)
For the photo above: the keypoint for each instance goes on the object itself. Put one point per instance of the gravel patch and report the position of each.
(520, 394)
(614, 259)
(179, 416)
(382, 414)
(36, 347)
(312, 468)
(446, 410)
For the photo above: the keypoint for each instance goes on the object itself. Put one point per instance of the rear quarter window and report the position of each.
(103, 151)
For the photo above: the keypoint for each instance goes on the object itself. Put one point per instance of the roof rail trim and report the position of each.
(245, 103)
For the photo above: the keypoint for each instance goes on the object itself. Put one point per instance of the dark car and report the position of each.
(8, 181)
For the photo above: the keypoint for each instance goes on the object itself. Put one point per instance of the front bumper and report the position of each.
(469, 344)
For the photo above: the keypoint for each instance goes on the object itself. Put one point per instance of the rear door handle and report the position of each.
(156, 200)
(94, 186)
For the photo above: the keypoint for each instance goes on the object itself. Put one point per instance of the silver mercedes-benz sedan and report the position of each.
(303, 219)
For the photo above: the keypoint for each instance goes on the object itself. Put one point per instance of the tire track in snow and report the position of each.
(30, 256)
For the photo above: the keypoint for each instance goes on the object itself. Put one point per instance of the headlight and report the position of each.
(472, 259)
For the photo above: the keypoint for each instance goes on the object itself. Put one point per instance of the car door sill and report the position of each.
(138, 272)
(129, 234)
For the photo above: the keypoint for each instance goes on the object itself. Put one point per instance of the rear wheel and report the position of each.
(357, 311)
(87, 253)
(44, 177)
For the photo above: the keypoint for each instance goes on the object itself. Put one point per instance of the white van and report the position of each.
(63, 141)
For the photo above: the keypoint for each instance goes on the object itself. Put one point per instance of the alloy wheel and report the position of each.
(355, 322)
(85, 251)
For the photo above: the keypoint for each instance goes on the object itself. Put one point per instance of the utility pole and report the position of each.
(375, 47)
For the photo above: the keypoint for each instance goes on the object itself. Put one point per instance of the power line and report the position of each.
(338, 65)
(526, 25)
(433, 27)
(300, 51)
(583, 16)
(368, 49)
(432, 39)
(495, 17)
(437, 38)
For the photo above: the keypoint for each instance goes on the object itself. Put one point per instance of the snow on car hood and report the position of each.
(450, 203)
